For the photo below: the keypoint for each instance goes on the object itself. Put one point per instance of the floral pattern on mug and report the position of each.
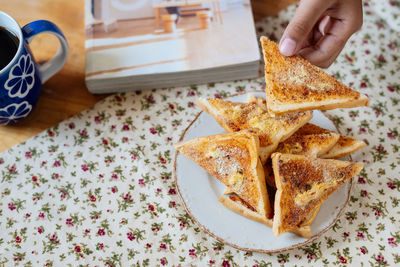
(14, 112)
(21, 77)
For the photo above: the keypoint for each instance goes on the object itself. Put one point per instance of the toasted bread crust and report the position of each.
(293, 84)
(239, 206)
(311, 144)
(233, 159)
(267, 209)
(261, 102)
(215, 112)
(343, 147)
(310, 128)
(311, 216)
(303, 183)
(264, 204)
(234, 117)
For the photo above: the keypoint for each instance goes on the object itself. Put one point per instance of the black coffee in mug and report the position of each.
(8, 46)
(21, 78)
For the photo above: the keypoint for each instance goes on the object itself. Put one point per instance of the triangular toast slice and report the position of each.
(303, 183)
(234, 117)
(344, 146)
(233, 159)
(270, 181)
(309, 144)
(239, 206)
(310, 128)
(311, 215)
(271, 194)
(294, 84)
(261, 102)
(312, 145)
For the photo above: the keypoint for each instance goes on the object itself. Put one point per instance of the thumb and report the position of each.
(304, 20)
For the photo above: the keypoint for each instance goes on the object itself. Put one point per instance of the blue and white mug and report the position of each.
(22, 78)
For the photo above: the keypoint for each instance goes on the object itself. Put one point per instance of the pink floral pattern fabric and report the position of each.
(97, 189)
(389, 11)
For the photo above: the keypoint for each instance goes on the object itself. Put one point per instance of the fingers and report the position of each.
(311, 54)
(318, 32)
(304, 20)
(324, 24)
(349, 12)
(325, 51)
(320, 29)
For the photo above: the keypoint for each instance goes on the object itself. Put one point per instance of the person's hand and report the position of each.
(320, 29)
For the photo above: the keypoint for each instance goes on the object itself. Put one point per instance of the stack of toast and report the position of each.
(277, 167)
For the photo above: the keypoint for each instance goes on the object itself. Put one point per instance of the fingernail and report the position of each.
(287, 47)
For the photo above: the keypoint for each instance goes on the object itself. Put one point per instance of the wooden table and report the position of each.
(65, 94)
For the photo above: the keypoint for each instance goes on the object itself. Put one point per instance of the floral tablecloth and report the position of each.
(98, 189)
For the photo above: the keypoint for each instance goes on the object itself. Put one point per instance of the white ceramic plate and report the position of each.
(199, 192)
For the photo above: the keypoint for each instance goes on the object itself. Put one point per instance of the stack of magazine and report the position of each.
(134, 45)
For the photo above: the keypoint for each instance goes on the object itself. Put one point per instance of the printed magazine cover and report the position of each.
(137, 39)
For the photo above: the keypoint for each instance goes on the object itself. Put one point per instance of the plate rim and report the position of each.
(209, 232)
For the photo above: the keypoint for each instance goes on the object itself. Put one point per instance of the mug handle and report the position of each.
(48, 69)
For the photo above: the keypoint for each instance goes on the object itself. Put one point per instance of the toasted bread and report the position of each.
(270, 180)
(239, 206)
(310, 128)
(343, 147)
(310, 144)
(234, 117)
(269, 174)
(233, 159)
(294, 84)
(261, 102)
(311, 215)
(303, 183)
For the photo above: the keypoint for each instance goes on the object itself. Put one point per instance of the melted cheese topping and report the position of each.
(236, 179)
(260, 122)
(260, 111)
(294, 148)
(320, 87)
(234, 112)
